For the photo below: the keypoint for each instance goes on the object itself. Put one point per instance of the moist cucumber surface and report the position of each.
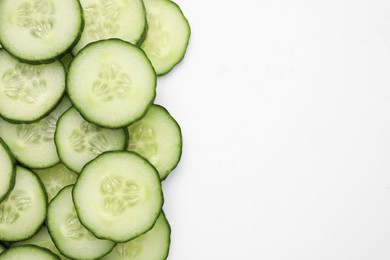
(33, 144)
(56, 178)
(70, 237)
(23, 212)
(111, 83)
(118, 196)
(79, 141)
(42, 239)
(153, 245)
(106, 19)
(39, 31)
(7, 170)
(157, 137)
(28, 252)
(29, 92)
(168, 35)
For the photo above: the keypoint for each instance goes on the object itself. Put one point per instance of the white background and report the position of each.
(285, 112)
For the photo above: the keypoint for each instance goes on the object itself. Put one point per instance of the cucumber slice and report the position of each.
(106, 19)
(23, 212)
(49, 27)
(157, 137)
(118, 196)
(111, 83)
(28, 142)
(79, 141)
(2, 248)
(70, 237)
(42, 239)
(7, 170)
(168, 35)
(28, 252)
(29, 92)
(153, 245)
(56, 178)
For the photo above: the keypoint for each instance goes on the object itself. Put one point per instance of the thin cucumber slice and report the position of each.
(118, 196)
(42, 239)
(7, 170)
(157, 137)
(168, 35)
(106, 19)
(28, 252)
(39, 31)
(23, 212)
(66, 60)
(79, 141)
(56, 178)
(33, 144)
(69, 236)
(111, 83)
(2, 248)
(153, 245)
(29, 92)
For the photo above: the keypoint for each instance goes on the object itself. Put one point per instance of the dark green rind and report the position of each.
(185, 49)
(12, 180)
(56, 137)
(169, 236)
(34, 120)
(108, 237)
(56, 243)
(145, 32)
(103, 124)
(61, 53)
(40, 225)
(3, 256)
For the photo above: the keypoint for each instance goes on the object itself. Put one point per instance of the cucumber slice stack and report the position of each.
(83, 147)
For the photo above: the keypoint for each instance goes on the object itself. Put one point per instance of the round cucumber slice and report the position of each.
(29, 92)
(153, 245)
(23, 212)
(111, 83)
(157, 137)
(168, 35)
(69, 236)
(29, 142)
(28, 252)
(39, 31)
(79, 141)
(42, 239)
(7, 170)
(118, 196)
(106, 19)
(56, 178)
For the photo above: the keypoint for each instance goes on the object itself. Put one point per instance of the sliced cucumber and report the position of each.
(157, 137)
(56, 178)
(29, 92)
(33, 144)
(79, 141)
(2, 248)
(42, 239)
(39, 31)
(111, 83)
(28, 252)
(7, 170)
(118, 196)
(23, 212)
(153, 245)
(106, 19)
(70, 237)
(168, 35)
